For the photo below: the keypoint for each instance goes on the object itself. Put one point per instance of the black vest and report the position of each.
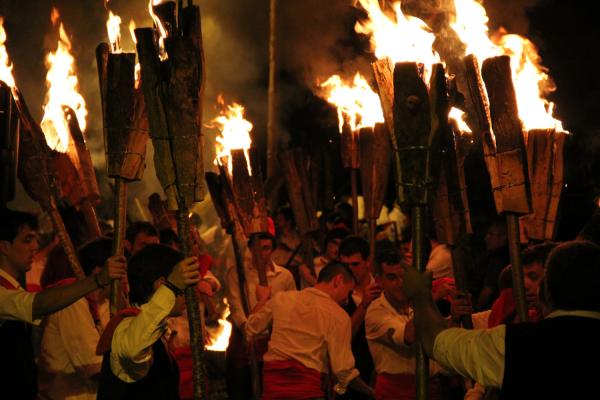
(161, 382)
(18, 372)
(552, 359)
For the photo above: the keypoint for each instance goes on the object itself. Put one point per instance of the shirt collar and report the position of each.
(574, 313)
(9, 278)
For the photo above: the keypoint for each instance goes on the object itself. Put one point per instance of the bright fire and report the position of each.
(5, 64)
(113, 27)
(220, 336)
(137, 65)
(162, 52)
(357, 104)
(235, 133)
(401, 37)
(458, 116)
(62, 91)
(530, 79)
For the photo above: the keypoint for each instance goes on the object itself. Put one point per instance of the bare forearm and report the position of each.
(57, 298)
(428, 321)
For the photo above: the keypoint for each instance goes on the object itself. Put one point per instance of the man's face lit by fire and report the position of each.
(342, 289)
(20, 252)
(534, 273)
(358, 265)
(142, 240)
(265, 249)
(392, 282)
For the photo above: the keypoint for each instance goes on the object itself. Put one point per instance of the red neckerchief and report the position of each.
(5, 283)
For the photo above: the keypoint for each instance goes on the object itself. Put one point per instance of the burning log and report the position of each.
(418, 116)
(296, 179)
(504, 151)
(125, 136)
(39, 178)
(545, 161)
(375, 162)
(384, 76)
(9, 144)
(351, 159)
(173, 86)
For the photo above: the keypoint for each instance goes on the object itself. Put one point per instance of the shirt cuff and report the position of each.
(344, 379)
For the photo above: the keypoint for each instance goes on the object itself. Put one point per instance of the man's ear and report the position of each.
(5, 247)
(159, 282)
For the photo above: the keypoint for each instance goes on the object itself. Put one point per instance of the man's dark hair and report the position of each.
(169, 237)
(11, 223)
(354, 244)
(262, 236)
(287, 213)
(140, 227)
(146, 266)
(94, 253)
(573, 276)
(334, 269)
(537, 253)
(386, 253)
(335, 233)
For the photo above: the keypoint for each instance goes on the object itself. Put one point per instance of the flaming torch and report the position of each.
(125, 131)
(9, 126)
(63, 125)
(172, 72)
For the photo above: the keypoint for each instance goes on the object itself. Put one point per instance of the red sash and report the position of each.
(401, 387)
(6, 284)
(105, 341)
(290, 380)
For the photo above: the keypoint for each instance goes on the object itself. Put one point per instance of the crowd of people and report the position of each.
(344, 326)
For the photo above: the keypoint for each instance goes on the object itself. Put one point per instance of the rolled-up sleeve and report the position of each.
(17, 304)
(383, 328)
(340, 353)
(476, 354)
(260, 320)
(131, 350)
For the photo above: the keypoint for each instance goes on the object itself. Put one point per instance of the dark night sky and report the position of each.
(316, 40)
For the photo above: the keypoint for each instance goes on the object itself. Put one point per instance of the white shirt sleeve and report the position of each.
(260, 320)
(131, 348)
(385, 328)
(476, 354)
(17, 304)
(339, 349)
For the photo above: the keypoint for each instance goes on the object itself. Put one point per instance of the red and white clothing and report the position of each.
(15, 303)
(440, 262)
(309, 330)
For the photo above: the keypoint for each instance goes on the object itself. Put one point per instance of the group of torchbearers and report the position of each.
(358, 321)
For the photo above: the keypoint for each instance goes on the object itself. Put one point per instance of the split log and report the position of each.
(546, 173)
(9, 144)
(350, 152)
(383, 71)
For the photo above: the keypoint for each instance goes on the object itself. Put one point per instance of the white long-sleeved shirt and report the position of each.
(131, 347)
(308, 326)
(279, 279)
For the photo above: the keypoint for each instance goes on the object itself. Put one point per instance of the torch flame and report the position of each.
(356, 103)
(162, 53)
(401, 38)
(62, 91)
(459, 116)
(220, 336)
(235, 133)
(530, 78)
(137, 65)
(5, 64)
(113, 26)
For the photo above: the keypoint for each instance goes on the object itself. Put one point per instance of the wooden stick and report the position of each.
(9, 144)
(272, 136)
(117, 301)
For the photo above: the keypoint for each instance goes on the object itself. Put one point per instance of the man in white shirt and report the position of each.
(18, 245)
(239, 384)
(310, 336)
(137, 364)
(554, 353)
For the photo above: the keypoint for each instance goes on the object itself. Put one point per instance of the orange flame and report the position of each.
(219, 336)
(530, 78)
(459, 116)
(137, 65)
(356, 103)
(162, 52)
(62, 86)
(400, 38)
(5, 64)
(113, 27)
(235, 133)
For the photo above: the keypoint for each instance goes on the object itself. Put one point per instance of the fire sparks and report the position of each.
(162, 52)
(235, 133)
(62, 91)
(113, 27)
(403, 38)
(220, 336)
(530, 79)
(5, 64)
(356, 103)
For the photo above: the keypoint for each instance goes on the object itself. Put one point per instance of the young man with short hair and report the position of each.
(18, 308)
(140, 234)
(136, 362)
(310, 336)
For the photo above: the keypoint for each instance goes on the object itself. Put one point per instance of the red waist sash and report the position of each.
(290, 380)
(401, 387)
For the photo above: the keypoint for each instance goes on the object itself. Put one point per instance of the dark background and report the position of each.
(317, 39)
